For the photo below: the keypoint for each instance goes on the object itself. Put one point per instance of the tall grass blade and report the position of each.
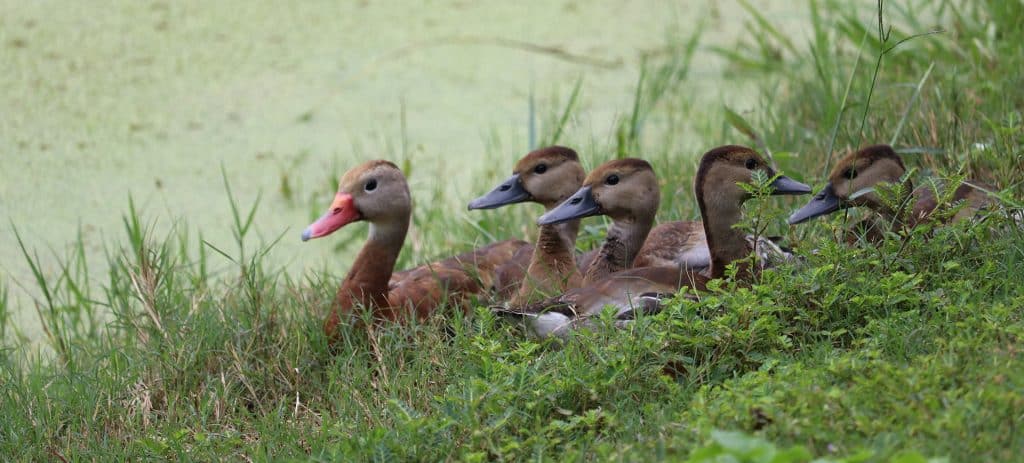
(49, 314)
(566, 113)
(739, 123)
(531, 119)
(765, 25)
(634, 119)
(910, 105)
(843, 107)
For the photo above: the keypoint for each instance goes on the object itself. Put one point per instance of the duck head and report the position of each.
(724, 168)
(626, 190)
(375, 191)
(851, 181)
(720, 197)
(547, 176)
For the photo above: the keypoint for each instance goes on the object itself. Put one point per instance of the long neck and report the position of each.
(725, 243)
(367, 281)
(556, 243)
(620, 246)
(552, 267)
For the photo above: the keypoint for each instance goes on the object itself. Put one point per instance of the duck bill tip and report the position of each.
(784, 185)
(823, 203)
(579, 205)
(342, 212)
(510, 191)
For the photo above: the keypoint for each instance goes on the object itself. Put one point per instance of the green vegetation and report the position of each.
(900, 352)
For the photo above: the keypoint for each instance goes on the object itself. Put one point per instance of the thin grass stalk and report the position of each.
(910, 105)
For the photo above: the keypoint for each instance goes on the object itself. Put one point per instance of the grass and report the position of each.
(900, 352)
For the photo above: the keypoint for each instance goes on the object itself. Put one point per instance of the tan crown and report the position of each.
(722, 170)
(550, 175)
(625, 189)
(863, 169)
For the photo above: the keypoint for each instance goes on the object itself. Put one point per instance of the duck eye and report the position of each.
(612, 179)
(540, 169)
(751, 163)
(850, 173)
(371, 185)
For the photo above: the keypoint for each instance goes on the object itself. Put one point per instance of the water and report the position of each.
(152, 99)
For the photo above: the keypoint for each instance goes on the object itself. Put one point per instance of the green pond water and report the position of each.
(102, 100)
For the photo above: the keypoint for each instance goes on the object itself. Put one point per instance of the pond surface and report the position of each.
(153, 98)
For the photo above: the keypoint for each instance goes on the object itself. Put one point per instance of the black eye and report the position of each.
(751, 163)
(371, 185)
(612, 179)
(850, 173)
(540, 169)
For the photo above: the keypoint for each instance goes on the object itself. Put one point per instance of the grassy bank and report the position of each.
(879, 353)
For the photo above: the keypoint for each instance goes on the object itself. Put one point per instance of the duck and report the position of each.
(546, 176)
(852, 181)
(377, 192)
(641, 289)
(626, 191)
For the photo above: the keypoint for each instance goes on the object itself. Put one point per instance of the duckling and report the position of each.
(377, 192)
(856, 174)
(546, 176)
(720, 200)
(625, 190)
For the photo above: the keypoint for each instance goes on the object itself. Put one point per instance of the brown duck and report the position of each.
(546, 176)
(851, 184)
(625, 190)
(377, 192)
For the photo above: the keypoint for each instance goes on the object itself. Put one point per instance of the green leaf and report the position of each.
(739, 123)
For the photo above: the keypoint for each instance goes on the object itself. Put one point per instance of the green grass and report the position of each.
(908, 350)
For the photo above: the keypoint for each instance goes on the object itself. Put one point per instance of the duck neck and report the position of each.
(367, 281)
(556, 243)
(620, 246)
(552, 267)
(567, 232)
(726, 244)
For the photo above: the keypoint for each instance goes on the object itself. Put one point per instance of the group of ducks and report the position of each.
(548, 283)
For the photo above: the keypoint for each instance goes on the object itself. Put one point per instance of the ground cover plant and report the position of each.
(903, 351)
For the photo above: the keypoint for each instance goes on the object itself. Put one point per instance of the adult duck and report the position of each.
(546, 176)
(852, 183)
(377, 192)
(720, 199)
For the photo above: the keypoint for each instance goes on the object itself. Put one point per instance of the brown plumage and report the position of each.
(640, 289)
(854, 176)
(546, 176)
(625, 190)
(675, 243)
(376, 192)
(683, 244)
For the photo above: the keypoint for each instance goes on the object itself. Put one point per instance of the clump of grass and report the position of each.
(862, 353)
